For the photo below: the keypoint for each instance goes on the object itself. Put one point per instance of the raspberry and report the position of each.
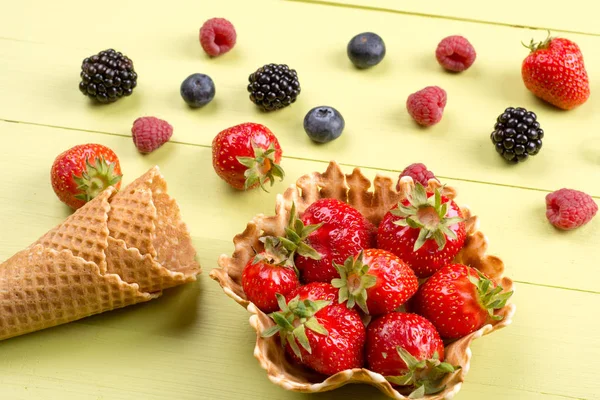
(149, 133)
(217, 36)
(569, 209)
(427, 105)
(455, 53)
(418, 172)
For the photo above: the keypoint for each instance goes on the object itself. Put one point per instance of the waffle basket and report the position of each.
(373, 200)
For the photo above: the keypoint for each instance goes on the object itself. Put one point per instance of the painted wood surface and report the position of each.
(196, 343)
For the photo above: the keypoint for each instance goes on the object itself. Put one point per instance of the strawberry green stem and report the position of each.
(424, 376)
(295, 237)
(534, 46)
(354, 281)
(95, 179)
(261, 167)
(294, 319)
(275, 253)
(428, 214)
(490, 297)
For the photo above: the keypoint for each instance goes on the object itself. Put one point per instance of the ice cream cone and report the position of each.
(121, 248)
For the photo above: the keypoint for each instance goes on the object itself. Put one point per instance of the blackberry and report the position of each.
(517, 134)
(107, 76)
(273, 86)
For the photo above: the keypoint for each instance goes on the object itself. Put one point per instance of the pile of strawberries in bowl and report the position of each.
(386, 286)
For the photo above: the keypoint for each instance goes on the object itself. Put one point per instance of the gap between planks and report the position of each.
(536, 392)
(448, 17)
(556, 287)
(288, 157)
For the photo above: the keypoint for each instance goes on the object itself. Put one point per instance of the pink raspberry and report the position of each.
(149, 133)
(427, 105)
(455, 53)
(217, 36)
(418, 172)
(569, 209)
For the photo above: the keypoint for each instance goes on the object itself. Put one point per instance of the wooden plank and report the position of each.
(517, 230)
(379, 133)
(577, 17)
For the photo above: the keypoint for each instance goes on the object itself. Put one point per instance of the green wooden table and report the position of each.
(196, 343)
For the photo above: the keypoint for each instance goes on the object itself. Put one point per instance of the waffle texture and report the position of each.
(122, 248)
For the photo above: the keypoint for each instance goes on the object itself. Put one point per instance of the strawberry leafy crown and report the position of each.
(274, 253)
(296, 233)
(490, 295)
(95, 178)
(294, 319)
(262, 167)
(535, 46)
(428, 214)
(280, 251)
(425, 376)
(354, 281)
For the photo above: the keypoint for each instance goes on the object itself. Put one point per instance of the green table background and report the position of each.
(194, 342)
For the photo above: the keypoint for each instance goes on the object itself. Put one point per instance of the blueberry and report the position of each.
(197, 90)
(323, 124)
(366, 50)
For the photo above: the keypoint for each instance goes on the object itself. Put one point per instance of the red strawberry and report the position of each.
(375, 280)
(80, 173)
(555, 72)
(314, 291)
(426, 230)
(267, 274)
(459, 300)
(407, 350)
(247, 156)
(342, 233)
(323, 335)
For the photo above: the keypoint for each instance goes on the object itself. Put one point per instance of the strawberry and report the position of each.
(80, 173)
(321, 334)
(247, 156)
(314, 291)
(267, 274)
(376, 281)
(426, 230)
(273, 271)
(407, 350)
(459, 300)
(342, 232)
(555, 72)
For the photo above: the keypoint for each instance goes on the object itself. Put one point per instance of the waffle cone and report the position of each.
(354, 189)
(120, 249)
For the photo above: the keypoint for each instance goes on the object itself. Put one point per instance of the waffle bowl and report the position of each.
(354, 189)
